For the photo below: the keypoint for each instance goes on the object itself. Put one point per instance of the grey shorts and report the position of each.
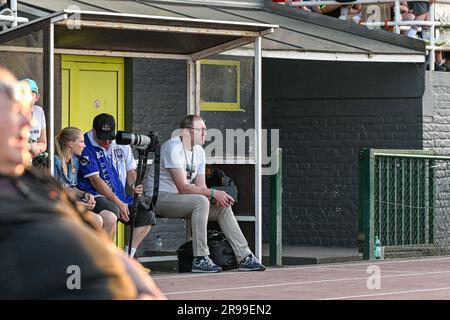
(144, 217)
(419, 7)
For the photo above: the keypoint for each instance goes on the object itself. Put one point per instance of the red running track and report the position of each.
(406, 279)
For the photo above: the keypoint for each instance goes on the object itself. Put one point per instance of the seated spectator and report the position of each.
(446, 56)
(421, 10)
(440, 63)
(336, 10)
(69, 144)
(49, 250)
(38, 135)
(355, 13)
(110, 169)
(405, 12)
(183, 194)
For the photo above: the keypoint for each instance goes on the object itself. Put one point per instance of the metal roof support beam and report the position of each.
(220, 48)
(258, 149)
(325, 56)
(160, 28)
(191, 90)
(21, 31)
(49, 96)
(126, 54)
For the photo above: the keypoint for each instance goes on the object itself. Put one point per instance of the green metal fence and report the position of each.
(404, 201)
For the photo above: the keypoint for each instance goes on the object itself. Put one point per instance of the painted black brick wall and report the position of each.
(322, 129)
(156, 88)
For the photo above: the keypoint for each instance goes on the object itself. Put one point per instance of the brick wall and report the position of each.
(320, 165)
(322, 128)
(436, 136)
(157, 91)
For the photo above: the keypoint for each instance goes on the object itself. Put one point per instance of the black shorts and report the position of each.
(144, 217)
(419, 7)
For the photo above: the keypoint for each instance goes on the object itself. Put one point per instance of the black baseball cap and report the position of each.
(104, 126)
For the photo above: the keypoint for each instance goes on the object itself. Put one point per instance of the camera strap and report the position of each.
(156, 163)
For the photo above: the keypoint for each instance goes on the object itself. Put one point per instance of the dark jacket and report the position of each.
(45, 240)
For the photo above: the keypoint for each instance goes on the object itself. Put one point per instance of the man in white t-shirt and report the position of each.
(183, 194)
(38, 133)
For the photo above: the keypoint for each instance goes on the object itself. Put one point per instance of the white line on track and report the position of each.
(386, 293)
(305, 282)
(289, 268)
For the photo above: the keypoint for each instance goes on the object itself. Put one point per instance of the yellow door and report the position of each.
(90, 86)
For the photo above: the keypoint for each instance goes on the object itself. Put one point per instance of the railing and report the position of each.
(13, 20)
(404, 201)
(397, 24)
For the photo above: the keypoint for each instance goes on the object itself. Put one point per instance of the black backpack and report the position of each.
(219, 248)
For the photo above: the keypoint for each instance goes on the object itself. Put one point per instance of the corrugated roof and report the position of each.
(130, 33)
(301, 34)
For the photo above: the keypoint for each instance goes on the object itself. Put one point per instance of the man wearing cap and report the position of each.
(111, 167)
(38, 134)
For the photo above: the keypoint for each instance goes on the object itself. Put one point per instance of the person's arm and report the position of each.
(131, 171)
(179, 178)
(40, 145)
(102, 188)
(146, 287)
(36, 148)
(330, 8)
(316, 9)
(84, 197)
(131, 181)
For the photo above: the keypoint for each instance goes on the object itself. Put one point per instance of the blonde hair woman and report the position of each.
(69, 144)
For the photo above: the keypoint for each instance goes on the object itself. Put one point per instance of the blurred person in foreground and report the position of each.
(49, 248)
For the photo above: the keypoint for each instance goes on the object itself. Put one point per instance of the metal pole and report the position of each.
(432, 30)
(276, 192)
(191, 86)
(191, 109)
(51, 98)
(197, 66)
(258, 149)
(397, 16)
(14, 12)
(366, 203)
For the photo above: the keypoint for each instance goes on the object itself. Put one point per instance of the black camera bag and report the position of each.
(220, 252)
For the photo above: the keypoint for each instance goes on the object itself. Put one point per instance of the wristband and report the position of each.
(84, 196)
(212, 194)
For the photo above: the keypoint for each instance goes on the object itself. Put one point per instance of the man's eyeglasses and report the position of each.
(19, 92)
(199, 129)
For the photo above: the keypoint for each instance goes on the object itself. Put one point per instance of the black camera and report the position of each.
(139, 140)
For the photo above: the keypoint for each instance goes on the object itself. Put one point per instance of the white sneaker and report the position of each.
(4, 10)
(342, 17)
(412, 33)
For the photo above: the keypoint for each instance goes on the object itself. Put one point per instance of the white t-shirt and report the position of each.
(39, 118)
(175, 156)
(121, 155)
